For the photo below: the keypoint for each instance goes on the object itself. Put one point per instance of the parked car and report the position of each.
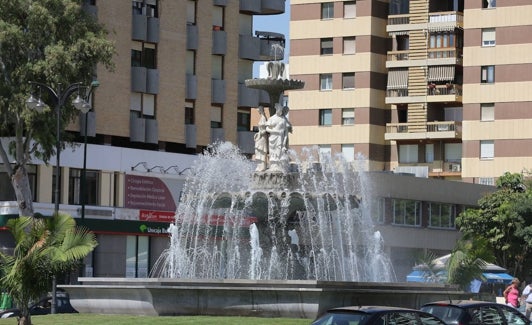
(376, 315)
(44, 306)
(464, 312)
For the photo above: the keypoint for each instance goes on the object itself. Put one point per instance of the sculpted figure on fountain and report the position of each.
(261, 142)
(278, 128)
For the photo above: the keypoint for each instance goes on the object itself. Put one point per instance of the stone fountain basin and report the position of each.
(275, 298)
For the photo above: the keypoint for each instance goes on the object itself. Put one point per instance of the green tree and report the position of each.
(467, 261)
(43, 248)
(504, 221)
(50, 41)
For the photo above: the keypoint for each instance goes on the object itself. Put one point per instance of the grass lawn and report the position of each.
(93, 319)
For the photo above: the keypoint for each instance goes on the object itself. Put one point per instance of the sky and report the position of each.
(273, 23)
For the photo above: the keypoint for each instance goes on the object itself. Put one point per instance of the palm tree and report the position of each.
(44, 247)
(468, 260)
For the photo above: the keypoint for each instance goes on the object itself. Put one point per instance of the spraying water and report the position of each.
(233, 223)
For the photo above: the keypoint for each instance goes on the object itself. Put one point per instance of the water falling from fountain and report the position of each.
(229, 226)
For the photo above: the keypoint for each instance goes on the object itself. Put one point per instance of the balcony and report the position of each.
(247, 97)
(403, 19)
(246, 143)
(191, 86)
(219, 41)
(272, 7)
(191, 135)
(436, 56)
(192, 37)
(397, 55)
(445, 21)
(249, 47)
(444, 93)
(250, 6)
(429, 130)
(437, 168)
(218, 91)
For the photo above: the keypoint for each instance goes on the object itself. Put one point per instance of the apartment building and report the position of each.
(434, 88)
(411, 84)
(339, 49)
(177, 87)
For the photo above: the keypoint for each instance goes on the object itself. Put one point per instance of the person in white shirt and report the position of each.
(527, 297)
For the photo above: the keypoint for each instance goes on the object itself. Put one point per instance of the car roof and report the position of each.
(460, 303)
(371, 309)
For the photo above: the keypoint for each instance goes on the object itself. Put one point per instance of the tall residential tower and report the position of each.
(436, 88)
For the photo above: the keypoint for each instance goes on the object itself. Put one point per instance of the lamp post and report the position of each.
(85, 110)
(59, 96)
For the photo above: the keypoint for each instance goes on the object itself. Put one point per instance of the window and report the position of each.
(216, 117)
(408, 153)
(487, 112)
(429, 153)
(217, 67)
(350, 9)
(326, 81)
(218, 18)
(349, 45)
(137, 256)
(326, 46)
(144, 58)
(89, 190)
(453, 152)
(489, 3)
(348, 80)
(486, 181)
(191, 62)
(189, 113)
(145, 8)
(327, 10)
(488, 37)
(7, 193)
(243, 121)
(399, 7)
(325, 151)
(406, 212)
(487, 74)
(325, 116)
(191, 12)
(487, 149)
(348, 151)
(442, 215)
(348, 116)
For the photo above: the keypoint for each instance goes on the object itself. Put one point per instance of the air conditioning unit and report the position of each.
(455, 167)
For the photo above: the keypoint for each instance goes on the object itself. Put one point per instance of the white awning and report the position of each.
(441, 73)
(397, 79)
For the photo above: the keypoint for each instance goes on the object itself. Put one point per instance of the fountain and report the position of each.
(286, 236)
(235, 220)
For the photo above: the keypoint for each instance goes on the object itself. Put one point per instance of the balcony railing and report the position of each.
(437, 126)
(397, 93)
(398, 55)
(448, 52)
(446, 16)
(399, 19)
(440, 90)
(437, 168)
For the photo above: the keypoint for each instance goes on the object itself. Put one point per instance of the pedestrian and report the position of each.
(511, 294)
(527, 298)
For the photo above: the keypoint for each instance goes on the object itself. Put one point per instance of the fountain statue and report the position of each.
(282, 217)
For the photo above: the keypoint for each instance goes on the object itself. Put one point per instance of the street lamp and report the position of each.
(85, 108)
(59, 96)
